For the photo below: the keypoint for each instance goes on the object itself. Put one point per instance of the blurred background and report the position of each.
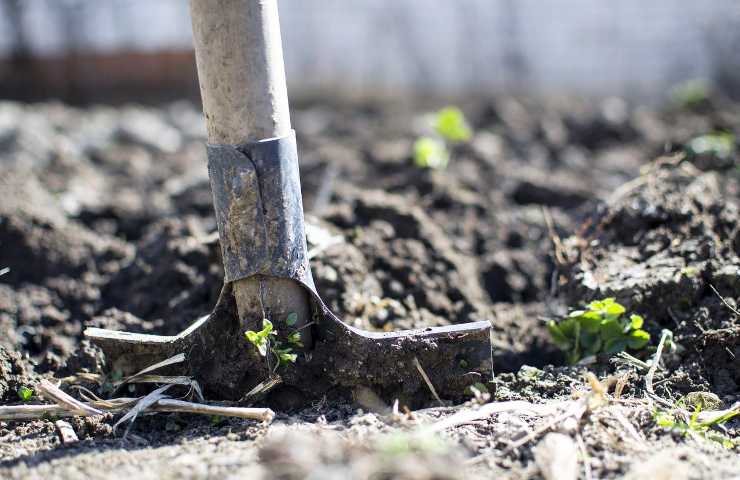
(140, 50)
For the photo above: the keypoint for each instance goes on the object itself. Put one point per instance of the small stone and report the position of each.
(66, 432)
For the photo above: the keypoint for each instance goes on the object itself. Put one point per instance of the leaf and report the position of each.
(597, 305)
(615, 309)
(569, 327)
(558, 337)
(636, 322)
(431, 153)
(288, 357)
(292, 319)
(591, 342)
(284, 355)
(690, 93)
(615, 345)
(665, 419)
(25, 393)
(590, 321)
(576, 313)
(451, 125)
(295, 339)
(258, 339)
(638, 339)
(611, 329)
(266, 327)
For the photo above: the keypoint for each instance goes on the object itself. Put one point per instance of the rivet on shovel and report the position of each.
(253, 169)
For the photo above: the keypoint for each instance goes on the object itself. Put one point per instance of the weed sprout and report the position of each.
(448, 127)
(602, 327)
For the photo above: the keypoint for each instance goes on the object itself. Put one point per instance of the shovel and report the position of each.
(253, 170)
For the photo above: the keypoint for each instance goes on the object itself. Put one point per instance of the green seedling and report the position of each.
(431, 153)
(718, 144)
(603, 327)
(450, 124)
(283, 355)
(694, 427)
(295, 339)
(25, 393)
(266, 341)
(261, 339)
(689, 272)
(691, 94)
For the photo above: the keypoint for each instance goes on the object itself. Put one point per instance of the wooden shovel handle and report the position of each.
(239, 55)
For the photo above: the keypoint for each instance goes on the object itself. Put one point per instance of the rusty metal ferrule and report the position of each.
(259, 209)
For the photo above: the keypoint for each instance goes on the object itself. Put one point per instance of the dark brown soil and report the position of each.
(106, 220)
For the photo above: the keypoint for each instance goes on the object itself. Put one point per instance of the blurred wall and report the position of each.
(633, 48)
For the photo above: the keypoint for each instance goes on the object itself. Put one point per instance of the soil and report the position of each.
(106, 220)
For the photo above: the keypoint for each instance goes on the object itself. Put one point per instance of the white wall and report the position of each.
(634, 48)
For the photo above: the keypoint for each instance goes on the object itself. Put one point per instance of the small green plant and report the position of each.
(695, 427)
(448, 126)
(718, 144)
(689, 272)
(602, 327)
(25, 393)
(691, 94)
(295, 339)
(266, 341)
(284, 355)
(431, 153)
(261, 339)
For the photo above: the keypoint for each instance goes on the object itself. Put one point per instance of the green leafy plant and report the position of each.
(691, 93)
(284, 355)
(266, 341)
(448, 126)
(431, 153)
(261, 339)
(602, 327)
(718, 144)
(295, 339)
(25, 393)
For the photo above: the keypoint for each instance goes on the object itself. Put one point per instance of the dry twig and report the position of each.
(427, 380)
(34, 412)
(732, 309)
(74, 406)
(653, 367)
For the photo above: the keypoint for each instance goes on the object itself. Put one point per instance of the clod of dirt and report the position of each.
(173, 259)
(13, 375)
(38, 242)
(411, 258)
